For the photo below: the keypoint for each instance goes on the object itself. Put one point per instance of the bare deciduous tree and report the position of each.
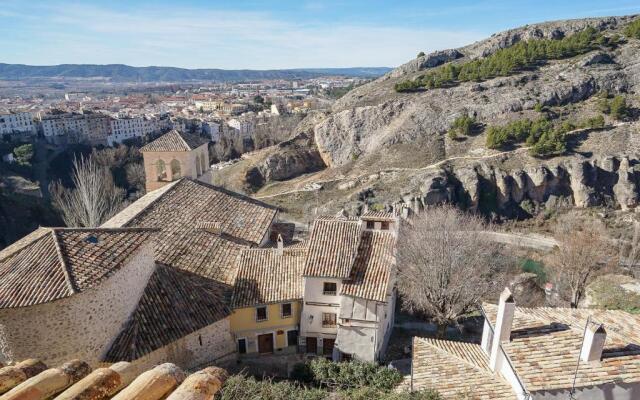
(447, 264)
(94, 197)
(583, 251)
(136, 176)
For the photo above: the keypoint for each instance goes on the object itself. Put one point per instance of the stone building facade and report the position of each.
(174, 156)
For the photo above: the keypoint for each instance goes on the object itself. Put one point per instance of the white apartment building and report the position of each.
(69, 128)
(126, 128)
(349, 294)
(243, 127)
(19, 123)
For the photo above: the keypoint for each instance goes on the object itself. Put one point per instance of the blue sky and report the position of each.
(264, 34)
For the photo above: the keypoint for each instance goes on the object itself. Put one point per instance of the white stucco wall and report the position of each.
(218, 348)
(81, 326)
(316, 303)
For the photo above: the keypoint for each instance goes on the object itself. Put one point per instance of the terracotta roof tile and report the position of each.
(174, 141)
(174, 304)
(182, 214)
(456, 370)
(53, 263)
(333, 246)
(545, 344)
(378, 216)
(373, 267)
(266, 277)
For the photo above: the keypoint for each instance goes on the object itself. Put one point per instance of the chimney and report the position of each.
(593, 342)
(280, 246)
(502, 331)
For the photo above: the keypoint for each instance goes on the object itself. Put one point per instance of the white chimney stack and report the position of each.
(593, 342)
(280, 246)
(502, 332)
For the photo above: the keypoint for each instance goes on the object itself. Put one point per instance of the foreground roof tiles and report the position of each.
(545, 344)
(174, 304)
(265, 277)
(183, 210)
(456, 370)
(378, 216)
(333, 245)
(174, 141)
(54, 263)
(372, 269)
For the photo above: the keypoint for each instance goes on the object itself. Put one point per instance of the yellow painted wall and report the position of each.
(243, 322)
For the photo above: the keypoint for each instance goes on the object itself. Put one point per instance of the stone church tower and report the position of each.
(175, 155)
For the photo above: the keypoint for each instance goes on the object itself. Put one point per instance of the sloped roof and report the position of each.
(174, 141)
(266, 277)
(54, 263)
(372, 269)
(545, 344)
(333, 245)
(180, 211)
(456, 369)
(378, 216)
(174, 304)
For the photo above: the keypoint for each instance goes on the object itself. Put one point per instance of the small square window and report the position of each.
(329, 288)
(286, 310)
(371, 224)
(261, 314)
(385, 226)
(328, 320)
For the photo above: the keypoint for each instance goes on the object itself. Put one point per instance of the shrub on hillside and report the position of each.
(507, 61)
(463, 125)
(633, 29)
(239, 387)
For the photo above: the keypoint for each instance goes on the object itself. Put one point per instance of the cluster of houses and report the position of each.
(197, 275)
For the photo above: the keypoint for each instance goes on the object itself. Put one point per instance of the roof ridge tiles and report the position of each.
(63, 263)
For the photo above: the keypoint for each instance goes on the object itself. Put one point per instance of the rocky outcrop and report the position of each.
(427, 61)
(606, 181)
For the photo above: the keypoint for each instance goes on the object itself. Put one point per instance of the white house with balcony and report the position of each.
(349, 293)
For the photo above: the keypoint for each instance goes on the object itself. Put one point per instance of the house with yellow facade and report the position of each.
(267, 300)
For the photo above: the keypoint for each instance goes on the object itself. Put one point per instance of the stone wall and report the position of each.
(187, 160)
(211, 345)
(81, 326)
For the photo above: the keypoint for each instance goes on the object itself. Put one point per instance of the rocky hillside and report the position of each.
(388, 149)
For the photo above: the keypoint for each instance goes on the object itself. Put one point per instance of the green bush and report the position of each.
(463, 125)
(534, 267)
(421, 54)
(505, 62)
(595, 122)
(355, 374)
(540, 135)
(618, 108)
(373, 394)
(633, 29)
(239, 387)
(24, 154)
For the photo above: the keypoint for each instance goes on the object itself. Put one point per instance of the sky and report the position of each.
(262, 34)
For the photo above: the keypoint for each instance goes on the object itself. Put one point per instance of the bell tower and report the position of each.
(173, 156)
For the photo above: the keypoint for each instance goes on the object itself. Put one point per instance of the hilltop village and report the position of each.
(192, 276)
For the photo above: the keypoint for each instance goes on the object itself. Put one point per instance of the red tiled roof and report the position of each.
(174, 141)
(266, 277)
(53, 263)
(333, 246)
(372, 269)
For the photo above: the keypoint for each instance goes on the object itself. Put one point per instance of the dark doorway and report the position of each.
(312, 345)
(327, 346)
(242, 346)
(265, 343)
(292, 338)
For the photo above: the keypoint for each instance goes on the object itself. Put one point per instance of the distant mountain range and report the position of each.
(126, 73)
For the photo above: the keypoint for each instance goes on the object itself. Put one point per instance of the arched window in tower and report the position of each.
(198, 170)
(176, 171)
(203, 163)
(161, 170)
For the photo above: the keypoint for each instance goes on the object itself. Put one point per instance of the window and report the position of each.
(292, 338)
(371, 224)
(328, 320)
(242, 346)
(286, 310)
(329, 288)
(261, 314)
(161, 170)
(176, 171)
(385, 225)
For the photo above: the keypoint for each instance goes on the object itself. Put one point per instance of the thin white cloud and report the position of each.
(219, 39)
